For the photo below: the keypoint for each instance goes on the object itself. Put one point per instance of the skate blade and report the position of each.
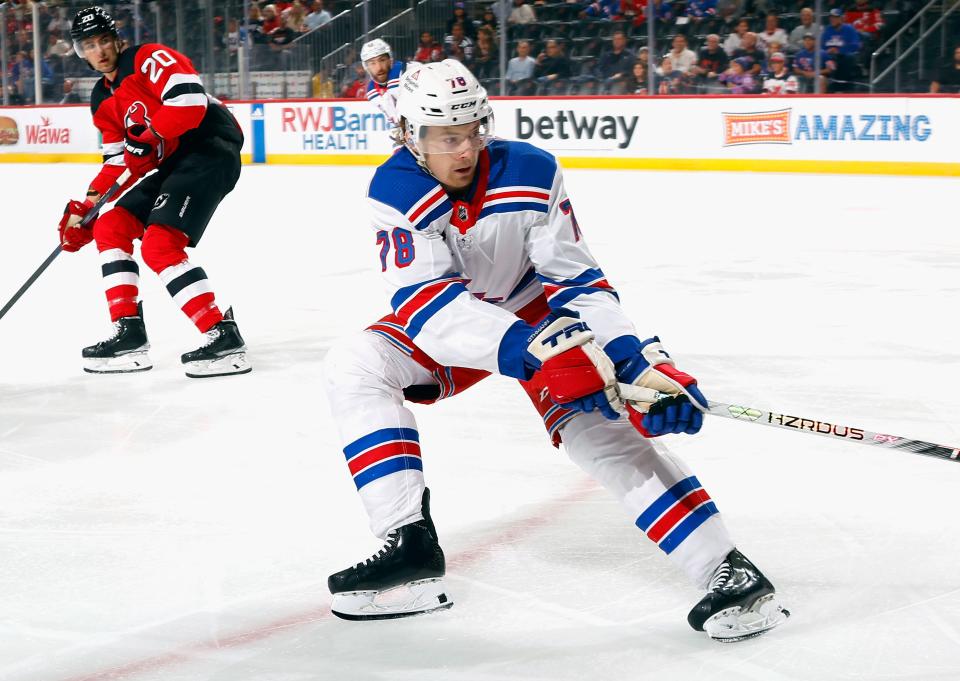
(407, 600)
(222, 366)
(735, 624)
(122, 364)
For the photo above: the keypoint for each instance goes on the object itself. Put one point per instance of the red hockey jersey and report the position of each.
(166, 84)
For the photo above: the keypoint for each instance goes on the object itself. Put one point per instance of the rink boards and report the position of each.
(903, 135)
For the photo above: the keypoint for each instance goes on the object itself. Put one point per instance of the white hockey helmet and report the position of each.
(441, 94)
(374, 49)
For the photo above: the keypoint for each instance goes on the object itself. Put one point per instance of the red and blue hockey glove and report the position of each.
(73, 237)
(659, 398)
(575, 370)
(143, 148)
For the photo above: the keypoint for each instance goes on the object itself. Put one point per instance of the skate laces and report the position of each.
(393, 539)
(212, 335)
(721, 576)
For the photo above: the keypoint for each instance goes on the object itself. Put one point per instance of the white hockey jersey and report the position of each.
(457, 270)
(385, 96)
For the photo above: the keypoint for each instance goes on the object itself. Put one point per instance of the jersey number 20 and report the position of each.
(403, 250)
(154, 64)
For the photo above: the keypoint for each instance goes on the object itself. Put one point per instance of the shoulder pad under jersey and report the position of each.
(405, 187)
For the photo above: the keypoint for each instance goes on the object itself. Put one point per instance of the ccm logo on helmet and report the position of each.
(465, 105)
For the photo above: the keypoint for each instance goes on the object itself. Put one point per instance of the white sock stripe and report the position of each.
(113, 254)
(195, 289)
(121, 279)
(174, 271)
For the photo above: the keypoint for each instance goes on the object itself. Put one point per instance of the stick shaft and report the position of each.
(87, 219)
(834, 431)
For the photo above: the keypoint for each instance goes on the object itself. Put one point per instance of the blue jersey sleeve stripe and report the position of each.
(622, 347)
(419, 318)
(564, 296)
(585, 277)
(513, 207)
(407, 292)
(666, 500)
(442, 208)
(379, 437)
(513, 347)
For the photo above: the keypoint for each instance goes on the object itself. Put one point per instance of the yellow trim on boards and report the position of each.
(681, 164)
(600, 163)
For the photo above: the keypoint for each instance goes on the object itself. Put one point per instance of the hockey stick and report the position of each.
(805, 425)
(632, 393)
(87, 219)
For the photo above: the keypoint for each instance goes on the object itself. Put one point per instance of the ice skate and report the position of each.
(124, 352)
(403, 579)
(740, 604)
(223, 353)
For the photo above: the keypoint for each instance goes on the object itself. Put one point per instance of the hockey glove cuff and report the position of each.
(660, 398)
(575, 370)
(73, 237)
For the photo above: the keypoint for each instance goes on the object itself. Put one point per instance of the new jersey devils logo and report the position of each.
(136, 115)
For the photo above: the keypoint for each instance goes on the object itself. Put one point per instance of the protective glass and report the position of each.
(455, 139)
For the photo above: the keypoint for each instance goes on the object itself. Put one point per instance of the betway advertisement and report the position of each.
(51, 133)
(868, 129)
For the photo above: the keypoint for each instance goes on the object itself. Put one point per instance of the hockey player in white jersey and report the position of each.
(489, 273)
(384, 72)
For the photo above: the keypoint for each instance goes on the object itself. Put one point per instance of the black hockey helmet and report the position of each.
(90, 22)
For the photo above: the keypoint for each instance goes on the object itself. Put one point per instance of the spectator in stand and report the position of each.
(840, 36)
(636, 82)
(634, 11)
(520, 71)
(771, 33)
(69, 95)
(804, 64)
(232, 37)
(428, 50)
(806, 25)
(948, 80)
(670, 80)
(749, 50)
(521, 14)
(682, 57)
(57, 47)
(729, 13)
(271, 20)
(779, 80)
(553, 68)
(842, 41)
(460, 16)
(736, 78)
(615, 64)
(601, 9)
(457, 45)
(702, 14)
(734, 41)
(866, 20)
(663, 12)
(23, 76)
(318, 16)
(357, 88)
(255, 21)
(489, 20)
(486, 56)
(711, 62)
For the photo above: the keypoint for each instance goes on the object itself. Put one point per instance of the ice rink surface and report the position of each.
(158, 528)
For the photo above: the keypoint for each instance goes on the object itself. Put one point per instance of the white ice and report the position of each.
(158, 528)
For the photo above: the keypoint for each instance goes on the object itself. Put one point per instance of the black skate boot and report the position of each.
(404, 578)
(124, 352)
(223, 354)
(740, 604)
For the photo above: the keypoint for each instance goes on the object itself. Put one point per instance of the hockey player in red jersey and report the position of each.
(154, 115)
(488, 272)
